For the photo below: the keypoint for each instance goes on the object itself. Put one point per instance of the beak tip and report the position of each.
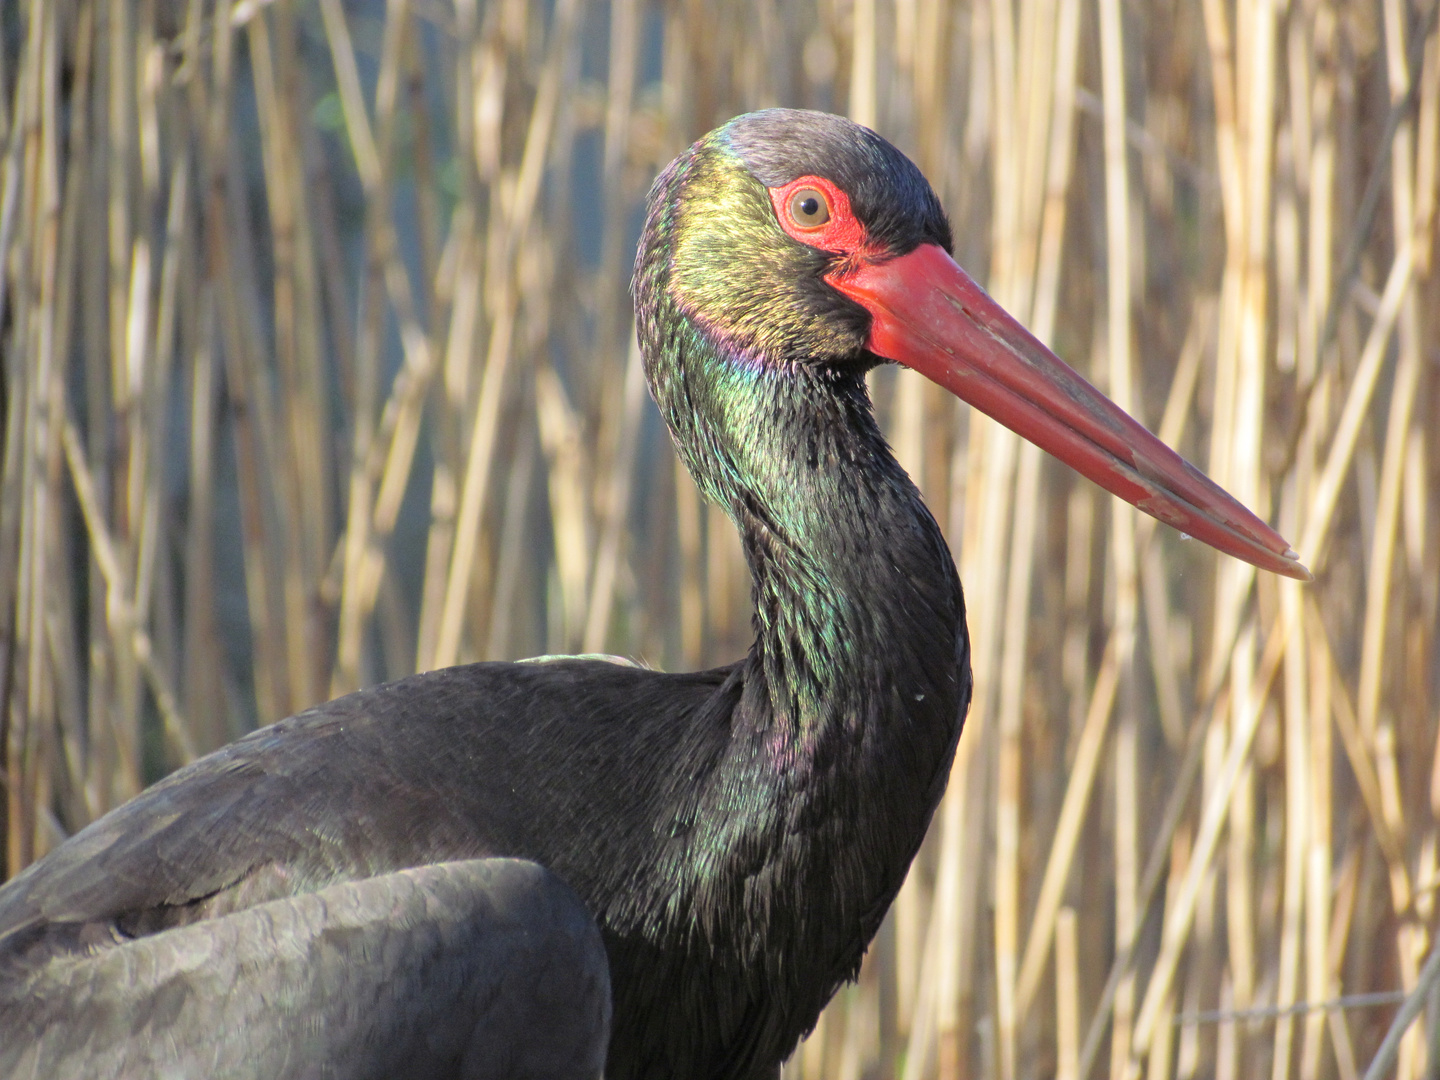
(1296, 569)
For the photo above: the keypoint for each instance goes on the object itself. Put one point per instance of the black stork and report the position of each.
(338, 894)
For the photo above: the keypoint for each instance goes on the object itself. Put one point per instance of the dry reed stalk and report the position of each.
(620, 385)
(125, 630)
(512, 545)
(1067, 830)
(77, 800)
(1316, 174)
(1161, 1050)
(988, 499)
(1320, 980)
(476, 475)
(361, 556)
(564, 449)
(22, 742)
(1301, 810)
(1298, 827)
(1340, 456)
(227, 263)
(1016, 981)
(1018, 160)
(1123, 519)
(1217, 804)
(1009, 792)
(1067, 997)
(1235, 451)
(201, 663)
(1240, 885)
(864, 108)
(290, 257)
(1126, 842)
(459, 286)
(1406, 382)
(617, 505)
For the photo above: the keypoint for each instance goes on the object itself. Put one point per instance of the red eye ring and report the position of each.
(839, 232)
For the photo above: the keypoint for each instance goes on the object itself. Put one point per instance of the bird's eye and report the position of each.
(809, 208)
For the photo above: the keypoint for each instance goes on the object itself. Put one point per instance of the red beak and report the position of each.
(928, 314)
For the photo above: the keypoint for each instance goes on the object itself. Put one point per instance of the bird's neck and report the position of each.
(809, 777)
(811, 783)
(858, 613)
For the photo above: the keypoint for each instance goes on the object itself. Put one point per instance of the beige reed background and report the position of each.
(317, 372)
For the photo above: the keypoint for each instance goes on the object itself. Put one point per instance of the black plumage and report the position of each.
(442, 970)
(737, 834)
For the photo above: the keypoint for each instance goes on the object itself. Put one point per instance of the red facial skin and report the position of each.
(928, 314)
(842, 234)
